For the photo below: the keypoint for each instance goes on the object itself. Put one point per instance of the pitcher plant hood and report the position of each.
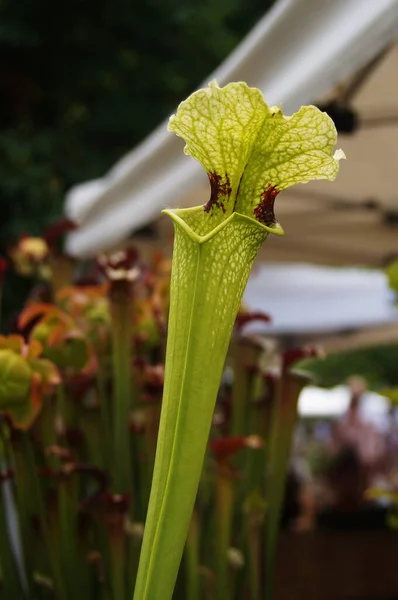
(251, 152)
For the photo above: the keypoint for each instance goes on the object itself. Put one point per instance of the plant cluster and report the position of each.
(89, 394)
(80, 399)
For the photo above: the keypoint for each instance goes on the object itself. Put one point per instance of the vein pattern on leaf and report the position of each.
(250, 151)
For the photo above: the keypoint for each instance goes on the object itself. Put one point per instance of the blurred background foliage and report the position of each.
(392, 275)
(84, 82)
(377, 364)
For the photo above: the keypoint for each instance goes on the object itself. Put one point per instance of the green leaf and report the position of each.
(15, 379)
(72, 353)
(208, 279)
(46, 370)
(252, 152)
(17, 398)
(391, 394)
(392, 275)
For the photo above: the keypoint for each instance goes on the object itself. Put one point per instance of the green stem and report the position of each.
(152, 414)
(239, 392)
(246, 355)
(62, 272)
(66, 410)
(122, 384)
(25, 508)
(254, 530)
(117, 554)
(1, 304)
(133, 553)
(105, 415)
(10, 577)
(37, 494)
(281, 433)
(43, 431)
(144, 446)
(100, 537)
(118, 567)
(224, 509)
(192, 560)
(208, 279)
(143, 474)
(250, 464)
(73, 561)
(256, 465)
(255, 509)
(90, 425)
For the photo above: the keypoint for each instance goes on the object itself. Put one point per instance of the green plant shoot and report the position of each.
(251, 152)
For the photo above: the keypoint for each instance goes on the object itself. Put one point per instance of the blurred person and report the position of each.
(392, 436)
(358, 459)
(348, 507)
(356, 432)
(291, 503)
(347, 477)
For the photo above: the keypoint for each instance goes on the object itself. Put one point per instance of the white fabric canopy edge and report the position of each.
(313, 45)
(304, 299)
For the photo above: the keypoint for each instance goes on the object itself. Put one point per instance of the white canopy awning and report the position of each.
(309, 299)
(315, 402)
(300, 51)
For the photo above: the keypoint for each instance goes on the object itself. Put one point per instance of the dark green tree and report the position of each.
(377, 364)
(83, 82)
